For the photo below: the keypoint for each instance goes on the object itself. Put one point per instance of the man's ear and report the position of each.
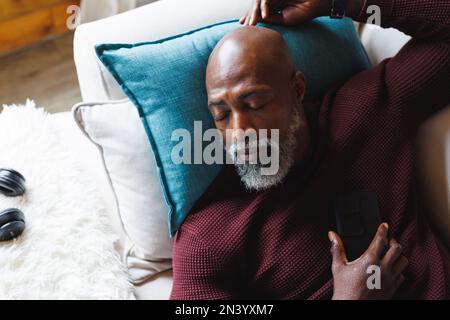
(298, 84)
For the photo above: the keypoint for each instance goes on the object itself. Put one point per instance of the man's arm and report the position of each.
(198, 273)
(420, 73)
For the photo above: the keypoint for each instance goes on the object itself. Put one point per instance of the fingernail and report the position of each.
(385, 229)
(331, 238)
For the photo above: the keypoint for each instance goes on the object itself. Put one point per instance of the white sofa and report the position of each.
(151, 22)
(156, 20)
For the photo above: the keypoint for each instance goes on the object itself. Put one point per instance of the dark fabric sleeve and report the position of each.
(198, 273)
(420, 73)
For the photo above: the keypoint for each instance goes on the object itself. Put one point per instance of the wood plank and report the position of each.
(45, 72)
(12, 8)
(60, 16)
(34, 26)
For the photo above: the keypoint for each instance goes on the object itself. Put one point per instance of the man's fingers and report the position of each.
(247, 18)
(394, 252)
(400, 266)
(242, 19)
(255, 13)
(288, 16)
(265, 9)
(337, 249)
(256, 17)
(293, 15)
(274, 19)
(379, 242)
(248, 22)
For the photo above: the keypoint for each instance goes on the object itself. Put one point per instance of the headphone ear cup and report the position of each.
(11, 230)
(12, 224)
(12, 183)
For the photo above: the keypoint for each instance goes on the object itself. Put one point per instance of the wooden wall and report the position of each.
(24, 22)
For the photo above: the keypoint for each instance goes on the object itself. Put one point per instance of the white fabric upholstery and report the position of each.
(382, 43)
(115, 127)
(157, 288)
(92, 10)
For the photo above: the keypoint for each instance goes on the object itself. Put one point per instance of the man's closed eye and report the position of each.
(220, 116)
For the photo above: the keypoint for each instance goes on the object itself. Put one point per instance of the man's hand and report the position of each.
(288, 12)
(350, 278)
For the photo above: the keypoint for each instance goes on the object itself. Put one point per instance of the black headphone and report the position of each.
(12, 221)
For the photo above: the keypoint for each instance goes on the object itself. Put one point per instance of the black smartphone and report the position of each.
(357, 221)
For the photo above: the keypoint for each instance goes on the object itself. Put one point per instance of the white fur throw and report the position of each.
(67, 249)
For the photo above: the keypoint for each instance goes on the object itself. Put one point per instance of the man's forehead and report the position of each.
(251, 53)
(240, 90)
(233, 65)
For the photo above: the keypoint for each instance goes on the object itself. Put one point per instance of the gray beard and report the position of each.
(251, 175)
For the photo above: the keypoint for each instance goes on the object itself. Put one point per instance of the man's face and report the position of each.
(245, 94)
(251, 87)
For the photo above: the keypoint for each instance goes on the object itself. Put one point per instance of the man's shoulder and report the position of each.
(217, 225)
(218, 219)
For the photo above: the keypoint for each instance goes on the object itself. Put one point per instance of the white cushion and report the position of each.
(382, 43)
(115, 127)
(157, 288)
(151, 22)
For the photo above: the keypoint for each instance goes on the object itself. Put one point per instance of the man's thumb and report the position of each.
(337, 249)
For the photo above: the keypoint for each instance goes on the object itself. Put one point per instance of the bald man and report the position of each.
(241, 72)
(256, 236)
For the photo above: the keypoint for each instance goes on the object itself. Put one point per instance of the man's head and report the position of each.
(252, 84)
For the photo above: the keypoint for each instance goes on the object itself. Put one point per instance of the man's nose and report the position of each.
(241, 125)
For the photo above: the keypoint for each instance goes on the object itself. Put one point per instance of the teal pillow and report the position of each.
(165, 79)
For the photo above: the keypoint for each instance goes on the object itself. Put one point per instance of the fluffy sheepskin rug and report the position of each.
(67, 249)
